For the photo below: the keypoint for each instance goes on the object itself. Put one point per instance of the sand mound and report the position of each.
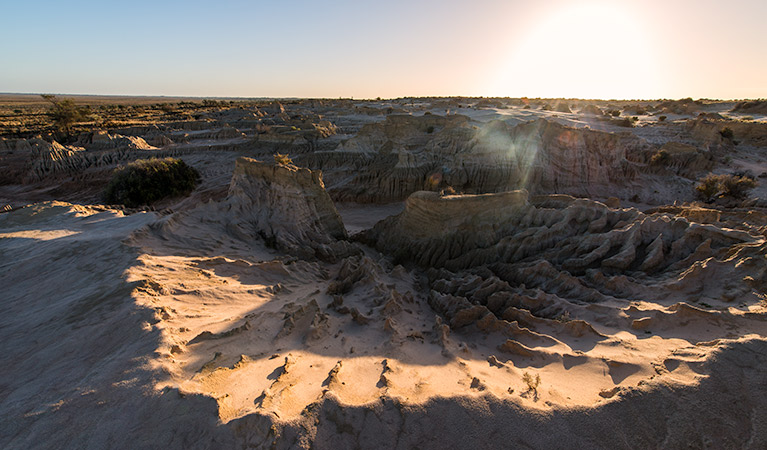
(562, 107)
(592, 110)
(751, 107)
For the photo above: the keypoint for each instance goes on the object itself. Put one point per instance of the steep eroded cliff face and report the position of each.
(286, 206)
(285, 202)
(390, 160)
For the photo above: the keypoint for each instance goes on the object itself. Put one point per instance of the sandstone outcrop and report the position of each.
(51, 160)
(103, 140)
(679, 158)
(499, 258)
(463, 231)
(390, 160)
(287, 207)
(709, 133)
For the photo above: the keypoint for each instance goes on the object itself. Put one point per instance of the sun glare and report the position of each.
(585, 51)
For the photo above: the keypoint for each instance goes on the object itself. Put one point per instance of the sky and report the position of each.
(536, 48)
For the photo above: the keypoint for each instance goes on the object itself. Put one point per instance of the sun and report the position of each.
(596, 50)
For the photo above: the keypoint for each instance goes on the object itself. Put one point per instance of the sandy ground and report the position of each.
(167, 329)
(358, 217)
(147, 315)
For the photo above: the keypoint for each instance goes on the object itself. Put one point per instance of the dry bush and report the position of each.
(284, 160)
(727, 133)
(724, 186)
(531, 382)
(660, 158)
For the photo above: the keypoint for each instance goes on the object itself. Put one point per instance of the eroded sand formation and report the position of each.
(514, 314)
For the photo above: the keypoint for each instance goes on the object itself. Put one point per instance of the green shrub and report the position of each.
(727, 133)
(64, 113)
(430, 129)
(721, 186)
(146, 181)
(662, 118)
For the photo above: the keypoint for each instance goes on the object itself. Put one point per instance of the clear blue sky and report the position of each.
(599, 48)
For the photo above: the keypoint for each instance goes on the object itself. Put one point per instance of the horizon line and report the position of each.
(377, 98)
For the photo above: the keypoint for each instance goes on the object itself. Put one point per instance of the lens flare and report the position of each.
(515, 153)
(596, 50)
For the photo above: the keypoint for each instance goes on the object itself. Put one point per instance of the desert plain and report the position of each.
(389, 273)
